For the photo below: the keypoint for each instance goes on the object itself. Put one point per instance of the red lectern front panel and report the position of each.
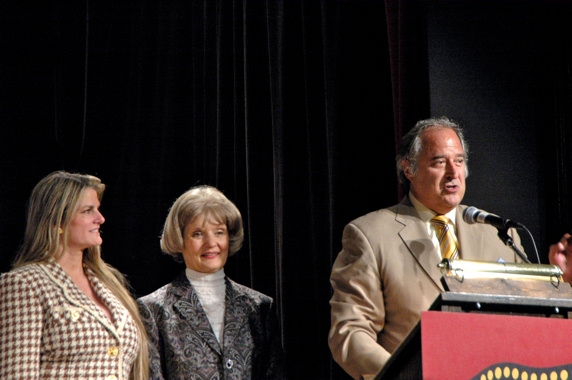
(457, 345)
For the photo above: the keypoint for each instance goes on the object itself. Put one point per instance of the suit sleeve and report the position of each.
(20, 329)
(357, 307)
(155, 346)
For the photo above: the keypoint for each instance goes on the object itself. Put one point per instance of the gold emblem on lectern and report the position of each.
(514, 371)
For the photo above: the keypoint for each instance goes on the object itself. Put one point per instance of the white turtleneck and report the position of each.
(210, 288)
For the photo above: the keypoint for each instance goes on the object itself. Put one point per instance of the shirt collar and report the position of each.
(425, 213)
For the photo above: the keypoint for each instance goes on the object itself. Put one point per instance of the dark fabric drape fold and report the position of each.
(555, 118)
(292, 108)
(407, 44)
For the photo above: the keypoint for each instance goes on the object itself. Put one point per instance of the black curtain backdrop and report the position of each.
(286, 106)
(291, 108)
(555, 119)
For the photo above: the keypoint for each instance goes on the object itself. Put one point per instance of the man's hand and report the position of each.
(560, 254)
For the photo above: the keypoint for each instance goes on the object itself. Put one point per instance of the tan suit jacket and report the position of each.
(386, 275)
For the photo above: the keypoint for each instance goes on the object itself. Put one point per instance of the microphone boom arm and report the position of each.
(504, 236)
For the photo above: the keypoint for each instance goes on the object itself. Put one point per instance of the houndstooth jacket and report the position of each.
(183, 344)
(50, 329)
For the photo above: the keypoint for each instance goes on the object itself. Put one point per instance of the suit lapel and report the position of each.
(191, 310)
(471, 244)
(118, 312)
(75, 296)
(234, 313)
(414, 235)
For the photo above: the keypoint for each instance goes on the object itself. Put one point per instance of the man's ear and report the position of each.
(407, 170)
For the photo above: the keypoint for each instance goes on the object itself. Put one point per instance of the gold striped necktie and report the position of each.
(447, 241)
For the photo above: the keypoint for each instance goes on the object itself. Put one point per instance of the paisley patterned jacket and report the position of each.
(182, 343)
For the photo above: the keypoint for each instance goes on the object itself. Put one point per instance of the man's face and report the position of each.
(439, 182)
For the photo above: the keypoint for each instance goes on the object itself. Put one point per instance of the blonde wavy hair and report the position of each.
(51, 207)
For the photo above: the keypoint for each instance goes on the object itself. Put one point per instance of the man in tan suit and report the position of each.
(386, 273)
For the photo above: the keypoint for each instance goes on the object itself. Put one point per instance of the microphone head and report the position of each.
(470, 215)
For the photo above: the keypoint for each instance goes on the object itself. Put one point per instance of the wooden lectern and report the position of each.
(494, 321)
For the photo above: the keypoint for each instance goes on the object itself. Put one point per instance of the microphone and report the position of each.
(473, 215)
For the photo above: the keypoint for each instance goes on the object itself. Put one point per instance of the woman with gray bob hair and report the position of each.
(203, 325)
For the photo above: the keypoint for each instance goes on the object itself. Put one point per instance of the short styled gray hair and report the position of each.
(411, 145)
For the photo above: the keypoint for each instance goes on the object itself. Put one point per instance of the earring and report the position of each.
(60, 231)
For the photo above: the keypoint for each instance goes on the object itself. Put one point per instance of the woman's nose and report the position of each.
(100, 218)
(210, 239)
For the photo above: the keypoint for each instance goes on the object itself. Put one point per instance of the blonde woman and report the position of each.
(64, 312)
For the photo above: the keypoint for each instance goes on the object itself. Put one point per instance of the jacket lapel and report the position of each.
(188, 305)
(472, 244)
(414, 235)
(234, 313)
(77, 298)
(117, 310)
